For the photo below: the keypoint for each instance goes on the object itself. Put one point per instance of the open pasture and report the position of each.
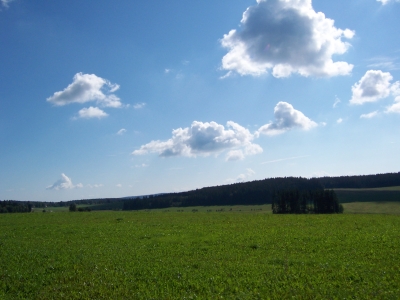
(205, 255)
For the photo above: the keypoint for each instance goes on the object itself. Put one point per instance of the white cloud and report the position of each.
(370, 115)
(91, 112)
(337, 101)
(287, 36)
(234, 155)
(242, 177)
(94, 186)
(374, 85)
(64, 183)
(139, 105)
(339, 121)
(86, 88)
(394, 108)
(119, 185)
(205, 139)
(383, 62)
(141, 166)
(283, 159)
(384, 2)
(286, 118)
(121, 131)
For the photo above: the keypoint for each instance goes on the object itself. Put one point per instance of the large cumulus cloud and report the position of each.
(204, 139)
(287, 36)
(374, 85)
(286, 118)
(64, 183)
(86, 88)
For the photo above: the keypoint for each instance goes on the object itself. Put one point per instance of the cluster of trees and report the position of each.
(303, 202)
(361, 181)
(12, 206)
(250, 193)
(73, 207)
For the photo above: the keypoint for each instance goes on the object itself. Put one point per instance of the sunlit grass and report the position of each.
(177, 255)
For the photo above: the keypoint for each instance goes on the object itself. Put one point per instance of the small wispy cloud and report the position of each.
(284, 159)
(242, 177)
(339, 121)
(385, 63)
(141, 166)
(370, 115)
(119, 185)
(139, 105)
(121, 131)
(337, 101)
(6, 2)
(94, 186)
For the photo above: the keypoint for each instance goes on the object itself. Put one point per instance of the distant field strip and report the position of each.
(368, 195)
(198, 255)
(392, 208)
(389, 188)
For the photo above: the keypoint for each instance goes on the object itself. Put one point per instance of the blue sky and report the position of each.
(137, 97)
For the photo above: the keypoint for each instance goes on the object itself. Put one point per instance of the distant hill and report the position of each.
(143, 196)
(361, 181)
(245, 193)
(267, 190)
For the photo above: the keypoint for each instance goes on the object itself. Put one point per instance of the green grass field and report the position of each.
(198, 255)
(391, 208)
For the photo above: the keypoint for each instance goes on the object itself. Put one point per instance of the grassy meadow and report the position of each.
(166, 254)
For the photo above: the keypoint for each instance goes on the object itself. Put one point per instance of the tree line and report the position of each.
(12, 206)
(361, 181)
(15, 206)
(288, 195)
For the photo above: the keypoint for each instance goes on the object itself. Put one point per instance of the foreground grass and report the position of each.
(175, 255)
